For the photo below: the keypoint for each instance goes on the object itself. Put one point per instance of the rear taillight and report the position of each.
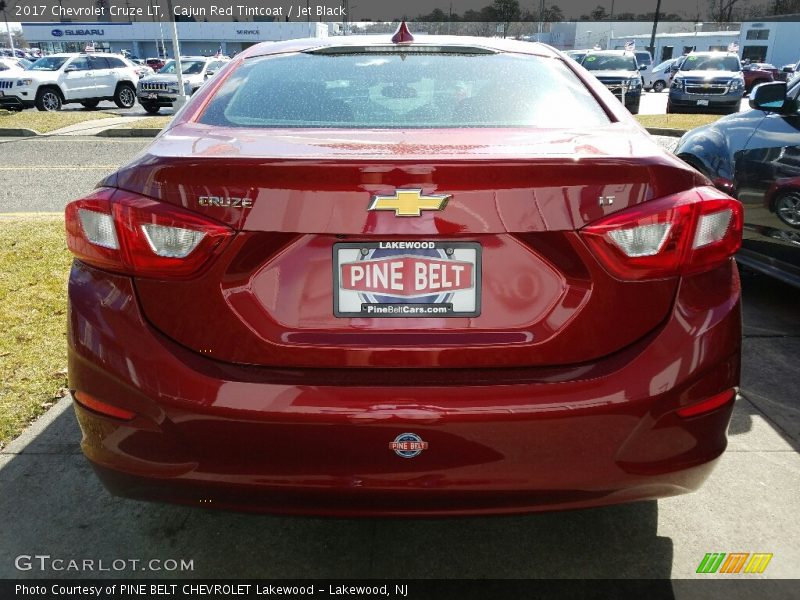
(123, 232)
(686, 233)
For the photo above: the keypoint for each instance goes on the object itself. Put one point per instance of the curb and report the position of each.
(129, 132)
(29, 434)
(665, 131)
(18, 132)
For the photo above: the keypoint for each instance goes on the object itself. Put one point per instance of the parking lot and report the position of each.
(53, 504)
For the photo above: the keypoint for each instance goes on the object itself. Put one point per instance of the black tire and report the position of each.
(48, 99)
(659, 86)
(151, 109)
(125, 95)
(90, 103)
(671, 109)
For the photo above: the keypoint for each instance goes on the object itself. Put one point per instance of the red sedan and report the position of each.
(374, 276)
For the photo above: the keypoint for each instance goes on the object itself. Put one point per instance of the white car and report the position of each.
(659, 77)
(60, 79)
(10, 64)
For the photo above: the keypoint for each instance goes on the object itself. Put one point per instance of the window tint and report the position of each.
(81, 64)
(609, 62)
(115, 63)
(98, 62)
(386, 90)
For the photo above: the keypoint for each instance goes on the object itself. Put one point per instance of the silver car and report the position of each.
(161, 89)
(659, 77)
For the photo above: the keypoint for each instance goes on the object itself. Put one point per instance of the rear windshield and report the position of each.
(606, 62)
(403, 90)
(698, 62)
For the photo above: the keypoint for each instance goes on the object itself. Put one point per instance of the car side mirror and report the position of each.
(210, 73)
(70, 69)
(770, 97)
(643, 68)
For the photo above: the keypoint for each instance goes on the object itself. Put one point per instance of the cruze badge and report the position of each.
(408, 445)
(408, 203)
(225, 201)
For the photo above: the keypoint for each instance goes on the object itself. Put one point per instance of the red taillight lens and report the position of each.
(122, 232)
(686, 233)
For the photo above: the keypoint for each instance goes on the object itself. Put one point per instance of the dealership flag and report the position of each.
(733, 47)
(630, 46)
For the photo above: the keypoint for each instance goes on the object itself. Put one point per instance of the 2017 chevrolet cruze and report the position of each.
(364, 276)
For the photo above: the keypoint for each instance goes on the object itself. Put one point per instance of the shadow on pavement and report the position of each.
(770, 349)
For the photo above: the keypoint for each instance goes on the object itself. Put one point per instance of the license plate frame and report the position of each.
(466, 305)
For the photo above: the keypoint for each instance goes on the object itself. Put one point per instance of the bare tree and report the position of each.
(721, 11)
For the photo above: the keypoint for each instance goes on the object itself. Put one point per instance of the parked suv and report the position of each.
(60, 79)
(161, 89)
(619, 72)
(706, 82)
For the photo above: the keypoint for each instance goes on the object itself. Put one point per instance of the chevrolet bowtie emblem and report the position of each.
(408, 203)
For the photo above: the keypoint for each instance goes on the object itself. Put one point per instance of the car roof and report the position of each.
(367, 41)
(713, 53)
(613, 52)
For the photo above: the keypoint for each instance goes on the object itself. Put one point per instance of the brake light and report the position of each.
(682, 234)
(120, 231)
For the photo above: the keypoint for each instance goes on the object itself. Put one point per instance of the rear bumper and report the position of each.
(318, 441)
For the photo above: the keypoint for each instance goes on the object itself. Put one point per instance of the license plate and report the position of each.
(409, 279)
(702, 103)
(152, 96)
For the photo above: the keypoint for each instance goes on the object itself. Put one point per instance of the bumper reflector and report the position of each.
(103, 408)
(707, 405)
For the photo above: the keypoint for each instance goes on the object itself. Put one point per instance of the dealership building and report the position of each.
(145, 39)
(775, 41)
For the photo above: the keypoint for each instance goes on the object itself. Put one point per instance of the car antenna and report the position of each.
(402, 35)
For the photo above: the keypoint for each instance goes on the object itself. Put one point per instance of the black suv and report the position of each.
(619, 72)
(707, 82)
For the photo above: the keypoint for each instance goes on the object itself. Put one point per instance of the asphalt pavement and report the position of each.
(52, 504)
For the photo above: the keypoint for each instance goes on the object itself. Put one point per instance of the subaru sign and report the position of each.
(77, 32)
